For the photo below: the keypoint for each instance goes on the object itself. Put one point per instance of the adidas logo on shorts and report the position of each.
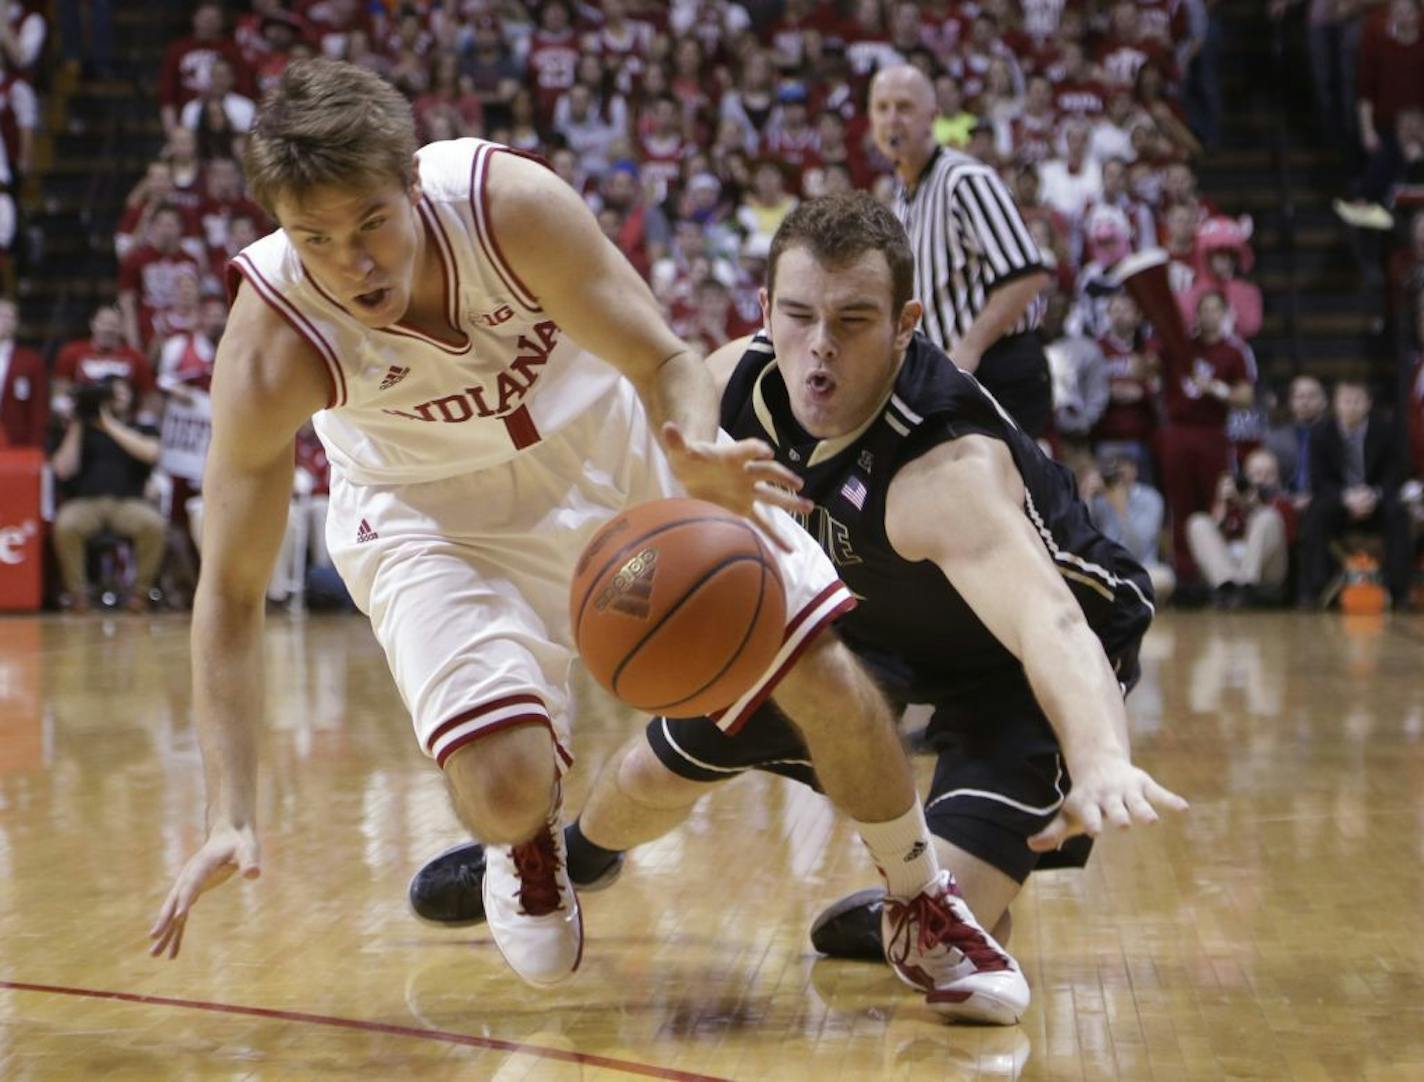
(365, 533)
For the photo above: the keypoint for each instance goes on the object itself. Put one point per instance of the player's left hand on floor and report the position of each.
(226, 851)
(1116, 794)
(743, 476)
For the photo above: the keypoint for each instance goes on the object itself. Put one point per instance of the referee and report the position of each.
(978, 272)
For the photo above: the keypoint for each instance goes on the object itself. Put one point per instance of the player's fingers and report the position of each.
(249, 860)
(754, 449)
(1051, 836)
(1090, 819)
(1163, 797)
(770, 493)
(165, 938)
(771, 470)
(165, 915)
(177, 943)
(1115, 811)
(1140, 810)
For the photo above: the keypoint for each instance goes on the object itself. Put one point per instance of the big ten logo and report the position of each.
(13, 540)
(503, 314)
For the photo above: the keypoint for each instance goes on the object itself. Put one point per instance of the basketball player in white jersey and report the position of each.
(490, 378)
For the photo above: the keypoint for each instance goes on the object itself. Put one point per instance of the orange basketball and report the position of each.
(677, 607)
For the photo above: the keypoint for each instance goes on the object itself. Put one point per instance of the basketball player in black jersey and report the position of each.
(985, 591)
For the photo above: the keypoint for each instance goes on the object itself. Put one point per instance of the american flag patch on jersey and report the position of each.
(855, 491)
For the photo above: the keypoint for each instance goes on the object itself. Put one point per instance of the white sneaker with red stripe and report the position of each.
(531, 907)
(933, 943)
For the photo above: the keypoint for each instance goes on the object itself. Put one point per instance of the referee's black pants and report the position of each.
(1015, 371)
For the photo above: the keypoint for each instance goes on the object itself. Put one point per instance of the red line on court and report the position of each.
(628, 1067)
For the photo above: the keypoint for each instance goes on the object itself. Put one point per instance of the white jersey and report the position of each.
(407, 407)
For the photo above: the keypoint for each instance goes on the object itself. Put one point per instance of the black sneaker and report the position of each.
(850, 928)
(448, 890)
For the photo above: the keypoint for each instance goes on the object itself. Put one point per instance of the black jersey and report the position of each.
(911, 623)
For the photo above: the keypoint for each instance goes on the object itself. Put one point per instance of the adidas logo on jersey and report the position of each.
(393, 376)
(365, 533)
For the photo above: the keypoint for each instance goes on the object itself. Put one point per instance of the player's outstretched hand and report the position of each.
(1114, 794)
(743, 476)
(227, 850)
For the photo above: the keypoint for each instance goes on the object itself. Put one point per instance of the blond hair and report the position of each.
(329, 124)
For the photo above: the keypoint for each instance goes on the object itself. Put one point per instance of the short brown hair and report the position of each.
(327, 122)
(839, 229)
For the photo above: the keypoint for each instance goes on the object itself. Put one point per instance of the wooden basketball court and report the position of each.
(1275, 932)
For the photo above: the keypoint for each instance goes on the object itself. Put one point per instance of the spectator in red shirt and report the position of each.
(662, 145)
(186, 169)
(450, 95)
(147, 276)
(153, 190)
(187, 64)
(219, 116)
(96, 358)
(1078, 86)
(223, 202)
(182, 314)
(553, 56)
(1198, 393)
(242, 230)
(1129, 423)
(1391, 73)
(24, 386)
(247, 33)
(282, 32)
(19, 118)
(1127, 48)
(332, 22)
(789, 136)
(1390, 88)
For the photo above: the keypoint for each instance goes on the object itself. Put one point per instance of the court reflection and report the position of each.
(1191, 950)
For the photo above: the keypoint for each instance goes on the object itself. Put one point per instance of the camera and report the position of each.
(90, 398)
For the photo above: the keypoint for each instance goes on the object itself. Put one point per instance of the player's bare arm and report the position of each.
(266, 383)
(962, 506)
(586, 286)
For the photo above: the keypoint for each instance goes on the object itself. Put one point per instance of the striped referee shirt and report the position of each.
(968, 238)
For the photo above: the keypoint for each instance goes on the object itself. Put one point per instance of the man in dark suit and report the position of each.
(1290, 442)
(1356, 467)
(24, 387)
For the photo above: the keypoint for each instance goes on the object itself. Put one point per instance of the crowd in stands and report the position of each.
(692, 128)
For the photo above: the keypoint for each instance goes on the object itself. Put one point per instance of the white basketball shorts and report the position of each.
(466, 580)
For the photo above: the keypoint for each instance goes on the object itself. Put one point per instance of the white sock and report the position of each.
(903, 851)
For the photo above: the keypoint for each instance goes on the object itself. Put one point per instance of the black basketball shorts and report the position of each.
(986, 798)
